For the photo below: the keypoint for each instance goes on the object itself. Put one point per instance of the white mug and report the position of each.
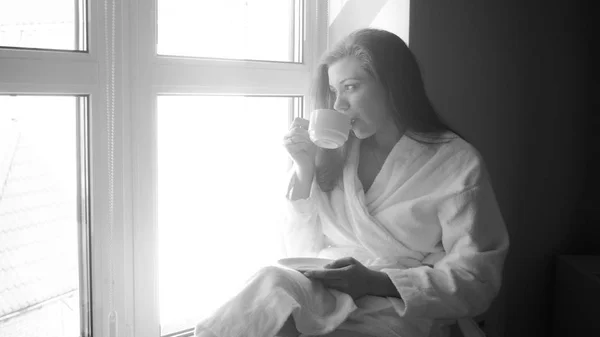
(329, 128)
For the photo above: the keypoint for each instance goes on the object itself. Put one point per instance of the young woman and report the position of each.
(405, 209)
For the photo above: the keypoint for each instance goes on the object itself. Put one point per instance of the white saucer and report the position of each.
(303, 264)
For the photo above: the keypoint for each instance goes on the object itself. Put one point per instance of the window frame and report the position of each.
(152, 75)
(122, 251)
(33, 71)
(52, 72)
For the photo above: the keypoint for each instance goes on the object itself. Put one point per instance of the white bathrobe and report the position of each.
(430, 221)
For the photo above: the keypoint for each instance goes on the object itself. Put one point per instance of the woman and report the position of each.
(405, 209)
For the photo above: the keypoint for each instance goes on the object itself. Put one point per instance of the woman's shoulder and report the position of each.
(449, 144)
(456, 145)
(458, 159)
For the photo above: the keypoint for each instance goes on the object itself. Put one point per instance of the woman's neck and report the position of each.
(385, 138)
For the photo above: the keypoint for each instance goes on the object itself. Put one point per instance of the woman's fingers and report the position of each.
(339, 273)
(298, 131)
(339, 263)
(300, 123)
(297, 134)
(336, 284)
(296, 149)
(295, 138)
(298, 144)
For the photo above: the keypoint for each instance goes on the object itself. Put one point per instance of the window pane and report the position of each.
(39, 250)
(221, 179)
(230, 29)
(43, 24)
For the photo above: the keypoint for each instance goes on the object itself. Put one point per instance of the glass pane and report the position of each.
(42, 24)
(230, 29)
(39, 251)
(221, 179)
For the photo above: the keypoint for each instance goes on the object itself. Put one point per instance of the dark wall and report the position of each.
(512, 78)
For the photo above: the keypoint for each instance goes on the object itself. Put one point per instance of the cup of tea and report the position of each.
(329, 128)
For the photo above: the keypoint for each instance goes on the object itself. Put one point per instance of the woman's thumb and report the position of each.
(340, 263)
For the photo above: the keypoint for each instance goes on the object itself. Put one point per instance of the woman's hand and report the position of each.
(353, 278)
(301, 148)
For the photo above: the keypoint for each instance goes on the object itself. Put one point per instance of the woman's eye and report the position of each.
(350, 87)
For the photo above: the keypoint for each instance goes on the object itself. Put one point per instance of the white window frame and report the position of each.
(124, 250)
(151, 75)
(52, 72)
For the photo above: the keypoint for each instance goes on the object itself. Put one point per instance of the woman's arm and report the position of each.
(302, 183)
(302, 232)
(383, 286)
(468, 278)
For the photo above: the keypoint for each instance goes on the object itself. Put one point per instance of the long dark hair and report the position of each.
(388, 59)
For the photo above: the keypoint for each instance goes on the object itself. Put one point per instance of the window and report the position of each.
(59, 25)
(268, 30)
(54, 176)
(43, 233)
(216, 85)
(218, 197)
(142, 112)
(117, 97)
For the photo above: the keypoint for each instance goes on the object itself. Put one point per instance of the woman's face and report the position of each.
(358, 95)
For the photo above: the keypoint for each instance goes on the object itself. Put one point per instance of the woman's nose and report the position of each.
(341, 103)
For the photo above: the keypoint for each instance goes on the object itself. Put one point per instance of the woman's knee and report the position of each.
(276, 276)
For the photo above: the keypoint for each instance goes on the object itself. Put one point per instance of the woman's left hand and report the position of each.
(349, 276)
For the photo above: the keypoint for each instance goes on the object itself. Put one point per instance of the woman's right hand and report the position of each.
(300, 147)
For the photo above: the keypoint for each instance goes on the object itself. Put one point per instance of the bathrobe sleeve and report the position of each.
(465, 281)
(302, 231)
